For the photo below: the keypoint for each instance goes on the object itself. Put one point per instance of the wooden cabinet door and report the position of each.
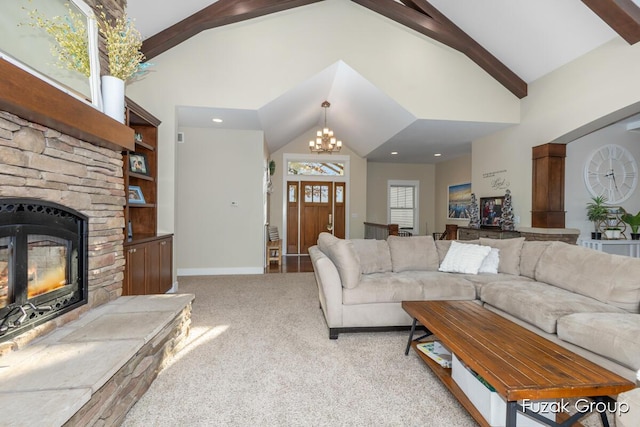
(135, 277)
(166, 265)
(149, 267)
(153, 267)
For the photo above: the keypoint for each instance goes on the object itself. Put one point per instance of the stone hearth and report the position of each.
(93, 370)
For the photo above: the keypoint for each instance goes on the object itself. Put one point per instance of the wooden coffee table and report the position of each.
(518, 363)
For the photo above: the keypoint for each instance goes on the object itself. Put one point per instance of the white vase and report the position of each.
(113, 97)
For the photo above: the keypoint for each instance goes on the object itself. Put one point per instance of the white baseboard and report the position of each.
(174, 288)
(219, 271)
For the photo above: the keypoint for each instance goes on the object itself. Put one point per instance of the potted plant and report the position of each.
(596, 213)
(634, 223)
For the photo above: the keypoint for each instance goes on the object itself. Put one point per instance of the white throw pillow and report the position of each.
(464, 258)
(490, 262)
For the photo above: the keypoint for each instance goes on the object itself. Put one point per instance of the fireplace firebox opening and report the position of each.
(43, 263)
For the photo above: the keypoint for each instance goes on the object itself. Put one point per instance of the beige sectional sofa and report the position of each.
(585, 300)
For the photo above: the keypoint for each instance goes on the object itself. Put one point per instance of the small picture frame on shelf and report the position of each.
(138, 163)
(135, 195)
(491, 211)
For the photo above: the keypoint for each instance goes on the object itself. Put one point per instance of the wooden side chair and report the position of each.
(274, 246)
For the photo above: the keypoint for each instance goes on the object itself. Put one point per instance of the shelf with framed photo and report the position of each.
(141, 170)
(148, 255)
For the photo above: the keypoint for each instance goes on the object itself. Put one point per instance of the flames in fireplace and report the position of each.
(43, 263)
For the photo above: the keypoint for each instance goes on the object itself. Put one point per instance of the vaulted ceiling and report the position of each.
(514, 42)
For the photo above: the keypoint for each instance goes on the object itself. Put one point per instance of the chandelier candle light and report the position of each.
(325, 142)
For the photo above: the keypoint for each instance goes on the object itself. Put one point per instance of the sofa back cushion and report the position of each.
(416, 253)
(374, 255)
(612, 279)
(530, 255)
(510, 250)
(344, 257)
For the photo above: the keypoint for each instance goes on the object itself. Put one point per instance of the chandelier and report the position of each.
(325, 141)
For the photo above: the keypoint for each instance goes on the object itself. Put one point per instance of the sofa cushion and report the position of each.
(408, 286)
(481, 279)
(613, 335)
(413, 253)
(612, 279)
(538, 303)
(530, 255)
(343, 255)
(442, 246)
(383, 287)
(510, 250)
(464, 258)
(374, 255)
(490, 262)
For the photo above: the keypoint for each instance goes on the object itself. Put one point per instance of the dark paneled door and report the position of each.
(314, 207)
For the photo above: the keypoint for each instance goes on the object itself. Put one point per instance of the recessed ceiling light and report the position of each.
(216, 120)
(393, 153)
(437, 155)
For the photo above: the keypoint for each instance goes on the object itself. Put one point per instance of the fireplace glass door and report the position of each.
(47, 267)
(5, 265)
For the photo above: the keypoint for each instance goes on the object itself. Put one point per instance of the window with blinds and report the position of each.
(402, 203)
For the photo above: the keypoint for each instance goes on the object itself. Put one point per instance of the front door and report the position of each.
(319, 207)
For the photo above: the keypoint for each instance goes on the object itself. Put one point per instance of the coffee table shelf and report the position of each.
(444, 375)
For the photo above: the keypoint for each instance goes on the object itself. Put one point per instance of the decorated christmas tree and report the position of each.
(474, 212)
(506, 221)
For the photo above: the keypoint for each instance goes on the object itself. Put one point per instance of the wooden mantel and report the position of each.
(35, 100)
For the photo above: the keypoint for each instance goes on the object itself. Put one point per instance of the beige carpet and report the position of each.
(259, 355)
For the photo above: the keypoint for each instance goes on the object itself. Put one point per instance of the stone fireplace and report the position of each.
(59, 170)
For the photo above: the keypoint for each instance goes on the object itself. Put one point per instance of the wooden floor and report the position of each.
(291, 264)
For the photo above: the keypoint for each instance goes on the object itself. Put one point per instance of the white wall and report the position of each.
(378, 175)
(214, 169)
(599, 83)
(248, 64)
(576, 192)
(451, 172)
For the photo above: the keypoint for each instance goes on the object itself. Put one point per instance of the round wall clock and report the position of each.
(611, 171)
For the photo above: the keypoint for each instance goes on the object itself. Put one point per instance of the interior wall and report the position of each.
(576, 194)
(248, 64)
(378, 175)
(597, 84)
(220, 201)
(451, 172)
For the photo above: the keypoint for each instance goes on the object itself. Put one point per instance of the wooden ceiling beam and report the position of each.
(422, 17)
(418, 15)
(621, 15)
(220, 13)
